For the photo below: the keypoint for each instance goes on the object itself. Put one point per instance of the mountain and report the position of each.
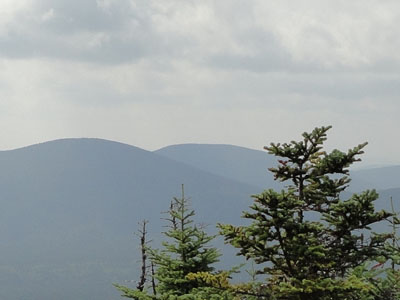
(378, 178)
(251, 166)
(69, 209)
(384, 199)
(237, 163)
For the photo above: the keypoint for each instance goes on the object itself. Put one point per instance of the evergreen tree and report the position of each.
(305, 237)
(385, 279)
(186, 251)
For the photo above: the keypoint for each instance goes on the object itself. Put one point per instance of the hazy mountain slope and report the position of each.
(69, 209)
(378, 178)
(384, 199)
(238, 163)
(251, 166)
(384, 203)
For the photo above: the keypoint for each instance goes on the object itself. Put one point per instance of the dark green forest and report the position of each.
(309, 240)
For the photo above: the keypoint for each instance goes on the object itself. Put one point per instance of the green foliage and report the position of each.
(222, 286)
(134, 294)
(306, 238)
(185, 251)
(384, 283)
(384, 280)
(387, 287)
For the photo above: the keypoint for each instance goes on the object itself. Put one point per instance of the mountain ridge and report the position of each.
(70, 208)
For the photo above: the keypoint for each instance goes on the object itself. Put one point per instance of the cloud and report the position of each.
(257, 36)
(334, 34)
(100, 32)
(254, 36)
(152, 72)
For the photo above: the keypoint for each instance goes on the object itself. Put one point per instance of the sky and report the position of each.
(152, 73)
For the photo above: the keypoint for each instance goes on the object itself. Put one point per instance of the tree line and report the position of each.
(306, 242)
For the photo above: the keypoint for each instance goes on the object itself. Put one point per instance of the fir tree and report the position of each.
(186, 251)
(303, 258)
(385, 279)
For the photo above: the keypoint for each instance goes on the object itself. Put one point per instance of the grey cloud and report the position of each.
(112, 50)
(86, 32)
(266, 54)
(68, 17)
(121, 32)
(231, 37)
(344, 86)
(339, 93)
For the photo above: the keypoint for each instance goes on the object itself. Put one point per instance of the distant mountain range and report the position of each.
(237, 163)
(251, 166)
(69, 207)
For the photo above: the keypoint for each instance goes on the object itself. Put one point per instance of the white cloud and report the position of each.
(48, 15)
(153, 73)
(255, 35)
(330, 34)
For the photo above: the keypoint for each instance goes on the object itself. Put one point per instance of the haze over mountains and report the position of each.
(70, 207)
(251, 166)
(237, 163)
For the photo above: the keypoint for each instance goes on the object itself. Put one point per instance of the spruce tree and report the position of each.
(305, 238)
(184, 252)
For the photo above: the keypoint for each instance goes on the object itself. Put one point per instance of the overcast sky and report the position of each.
(154, 73)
